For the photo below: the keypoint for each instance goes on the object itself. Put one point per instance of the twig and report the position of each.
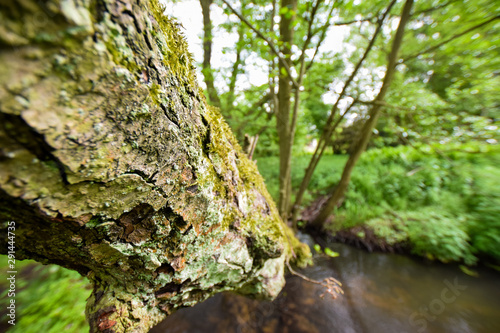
(332, 285)
(432, 48)
(323, 30)
(431, 9)
(368, 19)
(268, 41)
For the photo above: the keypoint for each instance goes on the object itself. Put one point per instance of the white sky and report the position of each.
(189, 14)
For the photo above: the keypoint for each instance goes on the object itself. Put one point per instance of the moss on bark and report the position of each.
(112, 164)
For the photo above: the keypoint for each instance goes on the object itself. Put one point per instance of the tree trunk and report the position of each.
(338, 194)
(283, 114)
(112, 164)
(330, 126)
(207, 54)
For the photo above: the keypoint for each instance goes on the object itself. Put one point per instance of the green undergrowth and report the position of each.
(48, 298)
(442, 202)
(327, 173)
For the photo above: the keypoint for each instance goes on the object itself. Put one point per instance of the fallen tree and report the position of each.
(113, 165)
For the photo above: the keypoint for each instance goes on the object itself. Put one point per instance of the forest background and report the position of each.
(419, 90)
(372, 119)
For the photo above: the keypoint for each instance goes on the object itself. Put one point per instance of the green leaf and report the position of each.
(317, 248)
(331, 253)
(468, 271)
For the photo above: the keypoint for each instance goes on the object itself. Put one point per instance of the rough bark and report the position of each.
(112, 164)
(338, 194)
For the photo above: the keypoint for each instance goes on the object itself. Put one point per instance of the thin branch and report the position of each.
(323, 30)
(385, 104)
(302, 71)
(258, 104)
(368, 19)
(332, 285)
(431, 9)
(235, 70)
(272, 67)
(253, 145)
(267, 40)
(310, 33)
(328, 130)
(432, 48)
(339, 120)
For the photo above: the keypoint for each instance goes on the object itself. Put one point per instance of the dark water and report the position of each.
(383, 293)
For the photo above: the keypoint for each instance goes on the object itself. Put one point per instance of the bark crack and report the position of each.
(18, 130)
(167, 114)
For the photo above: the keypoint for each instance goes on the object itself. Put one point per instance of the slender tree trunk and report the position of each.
(284, 106)
(272, 66)
(207, 71)
(338, 194)
(231, 95)
(330, 127)
(112, 164)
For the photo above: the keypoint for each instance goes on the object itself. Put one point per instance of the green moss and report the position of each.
(173, 46)
(96, 84)
(223, 147)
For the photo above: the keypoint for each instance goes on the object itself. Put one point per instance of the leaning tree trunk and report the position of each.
(338, 194)
(112, 164)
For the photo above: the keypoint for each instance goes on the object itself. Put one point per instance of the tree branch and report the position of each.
(302, 71)
(431, 9)
(328, 129)
(207, 54)
(432, 48)
(235, 71)
(360, 146)
(385, 104)
(267, 40)
(368, 19)
(323, 30)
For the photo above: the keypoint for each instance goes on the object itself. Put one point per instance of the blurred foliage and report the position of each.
(431, 182)
(441, 196)
(484, 206)
(48, 298)
(327, 173)
(439, 199)
(446, 88)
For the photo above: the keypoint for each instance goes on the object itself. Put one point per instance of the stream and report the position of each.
(382, 293)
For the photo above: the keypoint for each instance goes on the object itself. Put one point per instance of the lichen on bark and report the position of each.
(112, 164)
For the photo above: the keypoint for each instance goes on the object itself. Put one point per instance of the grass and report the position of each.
(48, 298)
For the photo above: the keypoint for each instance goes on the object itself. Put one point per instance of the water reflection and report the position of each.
(383, 293)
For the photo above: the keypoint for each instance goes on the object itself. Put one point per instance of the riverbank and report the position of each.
(429, 234)
(438, 202)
